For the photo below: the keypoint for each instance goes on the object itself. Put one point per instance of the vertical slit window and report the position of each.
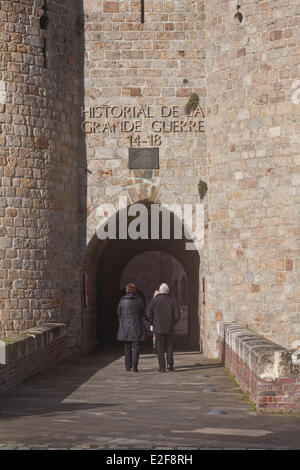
(44, 20)
(44, 52)
(142, 11)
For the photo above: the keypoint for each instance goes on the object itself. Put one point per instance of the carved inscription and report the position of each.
(131, 119)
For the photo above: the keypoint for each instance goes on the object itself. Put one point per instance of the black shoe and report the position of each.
(161, 370)
(171, 369)
(128, 369)
(135, 369)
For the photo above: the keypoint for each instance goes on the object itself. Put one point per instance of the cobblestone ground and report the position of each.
(93, 403)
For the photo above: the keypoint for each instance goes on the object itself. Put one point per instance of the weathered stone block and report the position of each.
(111, 7)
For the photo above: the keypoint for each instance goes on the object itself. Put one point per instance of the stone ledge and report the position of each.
(29, 341)
(268, 373)
(264, 358)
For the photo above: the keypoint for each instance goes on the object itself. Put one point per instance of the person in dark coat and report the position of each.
(163, 313)
(131, 312)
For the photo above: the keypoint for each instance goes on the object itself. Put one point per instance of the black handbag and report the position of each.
(147, 326)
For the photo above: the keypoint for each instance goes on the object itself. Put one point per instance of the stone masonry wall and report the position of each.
(129, 63)
(253, 124)
(39, 161)
(99, 53)
(156, 63)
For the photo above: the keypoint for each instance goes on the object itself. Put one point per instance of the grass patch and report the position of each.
(232, 379)
(202, 189)
(192, 104)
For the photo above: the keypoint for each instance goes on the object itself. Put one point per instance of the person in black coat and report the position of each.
(131, 311)
(163, 313)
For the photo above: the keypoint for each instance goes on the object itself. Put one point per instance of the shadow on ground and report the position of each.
(45, 392)
(92, 400)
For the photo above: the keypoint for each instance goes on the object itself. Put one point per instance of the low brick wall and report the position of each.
(30, 352)
(267, 372)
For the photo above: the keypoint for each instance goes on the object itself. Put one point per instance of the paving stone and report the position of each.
(216, 412)
(96, 384)
(39, 448)
(8, 448)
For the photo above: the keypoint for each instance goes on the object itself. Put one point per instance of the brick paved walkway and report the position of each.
(93, 403)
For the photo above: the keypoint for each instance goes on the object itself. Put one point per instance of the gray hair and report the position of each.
(164, 288)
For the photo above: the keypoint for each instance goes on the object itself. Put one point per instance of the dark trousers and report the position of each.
(132, 353)
(164, 344)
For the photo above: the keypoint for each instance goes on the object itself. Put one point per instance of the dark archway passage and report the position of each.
(149, 269)
(105, 264)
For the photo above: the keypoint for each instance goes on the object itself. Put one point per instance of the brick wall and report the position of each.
(264, 370)
(31, 352)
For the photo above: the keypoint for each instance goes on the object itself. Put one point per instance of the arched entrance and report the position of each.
(104, 264)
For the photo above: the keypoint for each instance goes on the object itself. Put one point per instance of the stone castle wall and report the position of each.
(39, 160)
(252, 249)
(56, 170)
(129, 63)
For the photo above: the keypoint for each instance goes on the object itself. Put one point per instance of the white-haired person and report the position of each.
(163, 313)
